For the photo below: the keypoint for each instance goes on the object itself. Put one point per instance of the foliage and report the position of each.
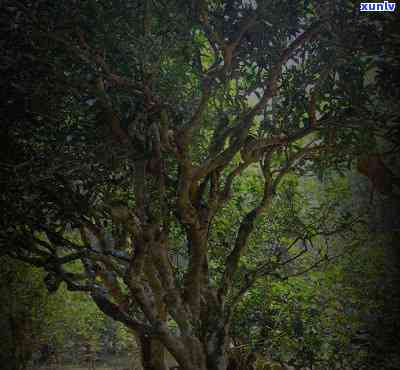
(337, 314)
(32, 319)
(157, 129)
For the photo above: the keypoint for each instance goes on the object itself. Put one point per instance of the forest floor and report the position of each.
(123, 362)
(109, 363)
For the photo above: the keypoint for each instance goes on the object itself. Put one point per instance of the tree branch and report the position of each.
(245, 229)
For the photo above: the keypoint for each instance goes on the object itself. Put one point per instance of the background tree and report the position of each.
(38, 327)
(128, 126)
(21, 314)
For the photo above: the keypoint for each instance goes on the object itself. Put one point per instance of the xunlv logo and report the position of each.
(378, 7)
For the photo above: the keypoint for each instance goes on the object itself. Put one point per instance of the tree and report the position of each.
(138, 121)
(36, 325)
(20, 313)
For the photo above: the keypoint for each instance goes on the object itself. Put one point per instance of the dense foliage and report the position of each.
(155, 152)
(39, 328)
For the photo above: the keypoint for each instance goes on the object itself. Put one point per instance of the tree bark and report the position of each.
(216, 354)
(152, 353)
(20, 331)
(157, 351)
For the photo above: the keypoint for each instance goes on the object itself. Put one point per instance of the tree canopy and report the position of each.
(153, 151)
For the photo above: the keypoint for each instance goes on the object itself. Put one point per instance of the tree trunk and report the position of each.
(21, 351)
(213, 363)
(216, 356)
(145, 348)
(204, 356)
(157, 351)
(217, 363)
(152, 353)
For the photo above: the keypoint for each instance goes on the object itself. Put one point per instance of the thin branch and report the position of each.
(270, 85)
(295, 158)
(228, 183)
(240, 131)
(185, 135)
(245, 229)
(113, 310)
